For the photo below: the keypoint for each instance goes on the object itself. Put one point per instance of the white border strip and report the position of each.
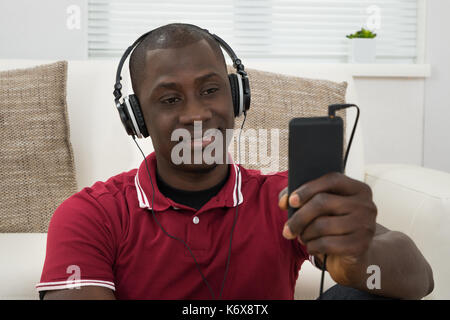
(73, 281)
(241, 198)
(75, 285)
(143, 201)
(70, 284)
(139, 193)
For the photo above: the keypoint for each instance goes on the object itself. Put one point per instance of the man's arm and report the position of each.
(83, 293)
(336, 216)
(404, 272)
(81, 247)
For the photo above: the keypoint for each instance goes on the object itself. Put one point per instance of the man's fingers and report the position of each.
(329, 226)
(283, 199)
(333, 182)
(348, 245)
(322, 204)
(287, 233)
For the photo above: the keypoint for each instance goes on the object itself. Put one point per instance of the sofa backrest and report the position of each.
(102, 148)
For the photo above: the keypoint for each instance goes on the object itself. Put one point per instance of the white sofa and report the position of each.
(410, 199)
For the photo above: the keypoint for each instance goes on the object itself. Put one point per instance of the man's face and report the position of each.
(180, 86)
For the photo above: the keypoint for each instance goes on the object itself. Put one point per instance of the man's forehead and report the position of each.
(199, 48)
(197, 59)
(167, 81)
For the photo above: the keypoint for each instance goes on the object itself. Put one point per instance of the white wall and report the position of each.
(437, 87)
(404, 117)
(390, 98)
(43, 29)
(392, 117)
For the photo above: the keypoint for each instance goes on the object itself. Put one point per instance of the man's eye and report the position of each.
(209, 91)
(170, 100)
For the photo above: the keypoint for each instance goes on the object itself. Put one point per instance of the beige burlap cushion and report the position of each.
(36, 158)
(275, 100)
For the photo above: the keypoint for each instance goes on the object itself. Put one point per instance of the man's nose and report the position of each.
(194, 110)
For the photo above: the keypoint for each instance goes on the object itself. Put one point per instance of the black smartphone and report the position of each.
(315, 149)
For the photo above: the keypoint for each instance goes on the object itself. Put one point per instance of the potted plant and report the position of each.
(363, 46)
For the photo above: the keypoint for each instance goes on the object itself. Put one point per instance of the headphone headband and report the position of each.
(117, 86)
(237, 63)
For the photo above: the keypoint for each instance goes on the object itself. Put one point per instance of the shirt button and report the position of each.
(196, 220)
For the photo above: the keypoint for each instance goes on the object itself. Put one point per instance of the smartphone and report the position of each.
(315, 149)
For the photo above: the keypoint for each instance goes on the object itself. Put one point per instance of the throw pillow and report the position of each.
(36, 158)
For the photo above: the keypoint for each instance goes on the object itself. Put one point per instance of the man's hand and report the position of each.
(335, 216)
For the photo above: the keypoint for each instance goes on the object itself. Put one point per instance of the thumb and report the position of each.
(283, 202)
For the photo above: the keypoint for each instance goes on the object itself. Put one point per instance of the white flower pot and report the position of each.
(362, 50)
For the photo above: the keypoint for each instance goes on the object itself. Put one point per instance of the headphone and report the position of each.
(130, 110)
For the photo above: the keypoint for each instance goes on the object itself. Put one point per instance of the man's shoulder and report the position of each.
(112, 186)
(272, 179)
(101, 196)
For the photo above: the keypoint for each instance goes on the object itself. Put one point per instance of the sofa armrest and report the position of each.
(22, 258)
(308, 282)
(416, 201)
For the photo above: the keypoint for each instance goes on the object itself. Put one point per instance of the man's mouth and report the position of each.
(203, 141)
(199, 139)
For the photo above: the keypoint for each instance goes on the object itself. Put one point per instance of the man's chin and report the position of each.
(198, 168)
(200, 160)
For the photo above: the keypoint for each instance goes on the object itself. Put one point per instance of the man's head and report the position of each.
(179, 75)
(170, 36)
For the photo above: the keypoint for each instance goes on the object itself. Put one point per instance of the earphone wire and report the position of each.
(169, 235)
(324, 263)
(237, 205)
(181, 240)
(237, 63)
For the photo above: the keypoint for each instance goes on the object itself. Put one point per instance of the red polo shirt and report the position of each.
(106, 236)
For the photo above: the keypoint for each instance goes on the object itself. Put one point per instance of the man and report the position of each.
(119, 237)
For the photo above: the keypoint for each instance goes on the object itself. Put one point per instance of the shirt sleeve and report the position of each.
(302, 252)
(80, 246)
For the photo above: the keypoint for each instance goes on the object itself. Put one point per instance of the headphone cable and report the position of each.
(181, 240)
(237, 205)
(332, 113)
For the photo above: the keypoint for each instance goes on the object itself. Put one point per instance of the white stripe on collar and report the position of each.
(241, 198)
(143, 201)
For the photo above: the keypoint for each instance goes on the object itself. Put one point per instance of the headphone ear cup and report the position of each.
(136, 107)
(125, 118)
(234, 92)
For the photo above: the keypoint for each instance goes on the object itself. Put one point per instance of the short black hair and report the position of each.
(174, 35)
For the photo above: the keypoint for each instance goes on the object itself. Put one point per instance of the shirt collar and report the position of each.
(228, 196)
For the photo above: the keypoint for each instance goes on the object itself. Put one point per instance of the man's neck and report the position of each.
(192, 180)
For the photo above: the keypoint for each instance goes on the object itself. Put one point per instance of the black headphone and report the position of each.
(130, 110)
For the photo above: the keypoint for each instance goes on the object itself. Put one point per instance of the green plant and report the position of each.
(363, 33)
